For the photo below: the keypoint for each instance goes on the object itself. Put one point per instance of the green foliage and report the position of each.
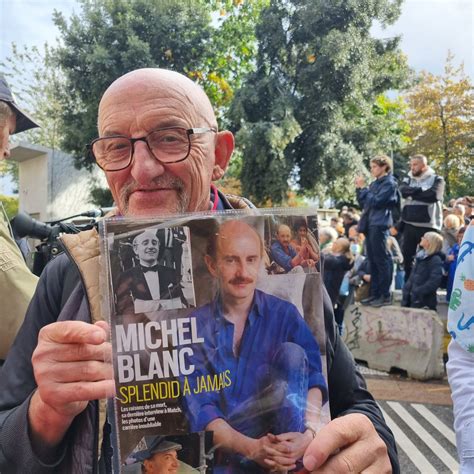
(318, 64)
(112, 37)
(440, 114)
(38, 87)
(10, 204)
(10, 168)
(101, 197)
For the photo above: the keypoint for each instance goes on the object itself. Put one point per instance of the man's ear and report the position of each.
(211, 265)
(223, 153)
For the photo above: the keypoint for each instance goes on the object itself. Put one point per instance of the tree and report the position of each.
(37, 83)
(112, 37)
(10, 204)
(318, 78)
(440, 115)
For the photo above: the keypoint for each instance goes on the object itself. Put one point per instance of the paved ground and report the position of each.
(437, 393)
(420, 416)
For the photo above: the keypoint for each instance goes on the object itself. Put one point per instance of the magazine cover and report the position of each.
(218, 340)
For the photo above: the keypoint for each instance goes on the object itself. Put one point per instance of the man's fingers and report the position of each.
(277, 450)
(53, 352)
(104, 326)
(73, 332)
(84, 371)
(280, 464)
(63, 394)
(335, 435)
(355, 459)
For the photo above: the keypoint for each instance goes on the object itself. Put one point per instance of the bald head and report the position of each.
(158, 83)
(149, 100)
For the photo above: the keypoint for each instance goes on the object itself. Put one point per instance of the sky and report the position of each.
(429, 28)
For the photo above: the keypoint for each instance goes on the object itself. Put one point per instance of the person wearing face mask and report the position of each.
(17, 283)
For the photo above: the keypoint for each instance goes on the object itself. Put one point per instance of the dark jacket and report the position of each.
(78, 453)
(334, 269)
(377, 202)
(423, 198)
(425, 278)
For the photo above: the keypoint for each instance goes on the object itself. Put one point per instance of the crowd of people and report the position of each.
(403, 237)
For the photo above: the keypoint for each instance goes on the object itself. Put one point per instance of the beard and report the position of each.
(163, 181)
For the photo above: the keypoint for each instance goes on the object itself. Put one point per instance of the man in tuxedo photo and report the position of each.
(151, 286)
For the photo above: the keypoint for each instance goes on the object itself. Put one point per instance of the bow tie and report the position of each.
(153, 268)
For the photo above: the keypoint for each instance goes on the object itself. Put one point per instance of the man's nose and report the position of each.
(242, 269)
(144, 165)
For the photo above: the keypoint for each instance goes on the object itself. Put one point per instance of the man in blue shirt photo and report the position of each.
(267, 409)
(285, 255)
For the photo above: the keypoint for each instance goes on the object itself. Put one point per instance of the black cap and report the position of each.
(23, 122)
(155, 444)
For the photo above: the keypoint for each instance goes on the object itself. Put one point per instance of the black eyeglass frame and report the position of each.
(189, 132)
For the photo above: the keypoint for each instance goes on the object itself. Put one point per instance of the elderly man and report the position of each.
(160, 150)
(159, 457)
(269, 354)
(152, 286)
(17, 283)
(286, 256)
(422, 210)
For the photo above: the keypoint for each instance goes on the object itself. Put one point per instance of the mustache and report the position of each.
(163, 181)
(240, 280)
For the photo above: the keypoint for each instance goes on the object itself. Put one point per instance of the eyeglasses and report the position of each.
(168, 145)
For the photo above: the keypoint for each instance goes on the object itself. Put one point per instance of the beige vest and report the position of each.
(17, 285)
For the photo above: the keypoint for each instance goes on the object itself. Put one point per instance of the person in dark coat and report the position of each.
(377, 202)
(420, 289)
(337, 262)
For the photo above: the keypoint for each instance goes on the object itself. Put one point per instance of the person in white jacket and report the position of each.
(460, 366)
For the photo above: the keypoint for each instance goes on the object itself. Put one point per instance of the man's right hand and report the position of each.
(72, 365)
(268, 453)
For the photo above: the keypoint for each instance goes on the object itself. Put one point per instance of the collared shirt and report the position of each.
(271, 322)
(283, 257)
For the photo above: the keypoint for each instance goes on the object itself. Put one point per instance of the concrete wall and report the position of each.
(69, 187)
(50, 186)
(33, 186)
(393, 337)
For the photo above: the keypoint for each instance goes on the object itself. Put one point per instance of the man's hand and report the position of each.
(286, 449)
(269, 453)
(72, 365)
(359, 182)
(310, 263)
(348, 444)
